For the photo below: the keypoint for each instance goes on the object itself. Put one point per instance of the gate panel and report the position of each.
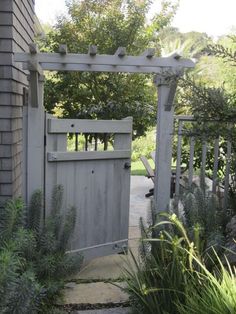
(97, 183)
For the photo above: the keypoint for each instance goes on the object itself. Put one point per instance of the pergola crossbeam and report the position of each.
(99, 68)
(103, 63)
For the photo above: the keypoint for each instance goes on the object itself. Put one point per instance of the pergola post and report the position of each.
(166, 86)
(34, 137)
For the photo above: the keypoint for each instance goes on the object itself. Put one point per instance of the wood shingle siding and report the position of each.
(16, 32)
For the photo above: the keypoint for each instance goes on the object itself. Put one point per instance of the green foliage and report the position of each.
(109, 25)
(178, 257)
(210, 293)
(208, 102)
(33, 259)
(226, 53)
(157, 282)
(189, 44)
(204, 219)
(144, 145)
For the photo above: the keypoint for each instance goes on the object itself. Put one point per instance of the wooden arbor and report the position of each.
(166, 71)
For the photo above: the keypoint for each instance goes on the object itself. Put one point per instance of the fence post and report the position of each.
(34, 142)
(166, 84)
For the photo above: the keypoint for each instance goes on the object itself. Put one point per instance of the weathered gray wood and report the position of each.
(184, 117)
(150, 171)
(165, 120)
(92, 51)
(178, 161)
(171, 96)
(97, 68)
(23, 25)
(5, 45)
(98, 188)
(124, 140)
(140, 61)
(35, 145)
(33, 48)
(227, 173)
(95, 188)
(24, 10)
(149, 53)
(88, 126)
(120, 52)
(191, 157)
(153, 155)
(15, 35)
(215, 168)
(33, 67)
(63, 49)
(34, 89)
(93, 155)
(204, 156)
(5, 18)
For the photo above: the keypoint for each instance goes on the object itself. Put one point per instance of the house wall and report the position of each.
(16, 32)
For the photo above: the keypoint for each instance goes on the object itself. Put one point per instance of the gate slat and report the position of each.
(178, 162)
(227, 173)
(215, 168)
(87, 155)
(204, 156)
(89, 126)
(191, 157)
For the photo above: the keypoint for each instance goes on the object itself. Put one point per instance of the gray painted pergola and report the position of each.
(166, 71)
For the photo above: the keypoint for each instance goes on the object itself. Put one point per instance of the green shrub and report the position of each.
(33, 259)
(144, 145)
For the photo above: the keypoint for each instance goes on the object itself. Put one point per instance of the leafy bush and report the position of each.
(144, 145)
(33, 259)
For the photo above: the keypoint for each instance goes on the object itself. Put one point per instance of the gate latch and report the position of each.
(127, 165)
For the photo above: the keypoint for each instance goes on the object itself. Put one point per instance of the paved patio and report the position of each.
(95, 289)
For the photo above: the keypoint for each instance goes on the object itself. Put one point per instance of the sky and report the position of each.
(214, 17)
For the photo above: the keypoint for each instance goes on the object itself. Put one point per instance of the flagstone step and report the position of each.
(95, 293)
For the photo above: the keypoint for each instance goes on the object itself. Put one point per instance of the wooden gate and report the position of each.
(95, 181)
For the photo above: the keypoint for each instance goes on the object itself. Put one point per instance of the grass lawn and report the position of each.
(137, 168)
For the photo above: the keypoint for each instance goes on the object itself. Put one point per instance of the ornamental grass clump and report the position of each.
(33, 259)
(179, 259)
(157, 282)
(210, 293)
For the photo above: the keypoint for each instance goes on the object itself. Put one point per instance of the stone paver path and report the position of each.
(116, 310)
(90, 285)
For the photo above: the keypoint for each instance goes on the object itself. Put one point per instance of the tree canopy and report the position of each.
(108, 24)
